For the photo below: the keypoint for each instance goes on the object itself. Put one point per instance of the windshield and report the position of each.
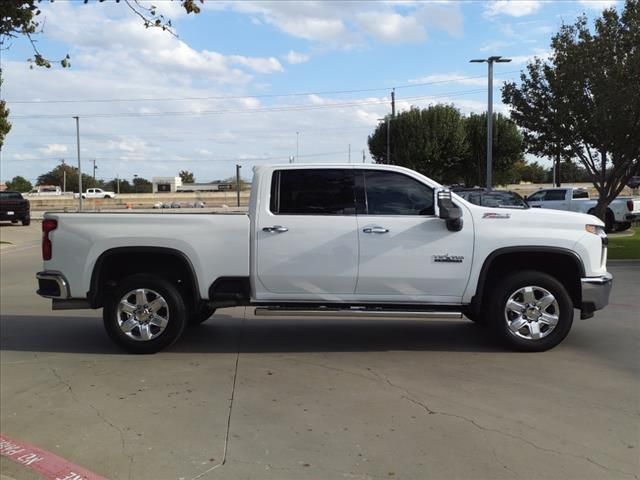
(10, 196)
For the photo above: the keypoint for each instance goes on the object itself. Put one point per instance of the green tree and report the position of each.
(57, 177)
(430, 141)
(584, 102)
(125, 186)
(186, 176)
(507, 150)
(5, 125)
(19, 184)
(529, 172)
(141, 185)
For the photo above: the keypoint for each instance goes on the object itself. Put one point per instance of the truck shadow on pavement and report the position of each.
(226, 334)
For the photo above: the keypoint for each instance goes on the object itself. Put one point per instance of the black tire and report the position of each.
(173, 311)
(501, 318)
(622, 226)
(107, 196)
(26, 221)
(201, 315)
(609, 222)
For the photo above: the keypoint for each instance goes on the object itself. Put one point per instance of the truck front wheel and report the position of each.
(531, 311)
(145, 314)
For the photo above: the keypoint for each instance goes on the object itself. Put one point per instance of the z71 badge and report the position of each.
(448, 258)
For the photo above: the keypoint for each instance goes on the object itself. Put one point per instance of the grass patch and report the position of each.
(625, 248)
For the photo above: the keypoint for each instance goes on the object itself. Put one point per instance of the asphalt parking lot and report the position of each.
(317, 399)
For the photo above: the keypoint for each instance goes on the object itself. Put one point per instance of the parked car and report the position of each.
(45, 191)
(634, 182)
(337, 241)
(491, 198)
(14, 207)
(96, 193)
(620, 212)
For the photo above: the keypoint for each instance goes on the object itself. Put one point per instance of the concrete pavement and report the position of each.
(318, 398)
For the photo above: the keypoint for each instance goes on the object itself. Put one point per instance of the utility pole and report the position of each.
(393, 103)
(64, 176)
(490, 61)
(79, 165)
(238, 167)
(118, 182)
(349, 153)
(388, 141)
(94, 171)
(363, 155)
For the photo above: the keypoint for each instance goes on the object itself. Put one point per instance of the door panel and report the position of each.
(417, 257)
(405, 251)
(307, 240)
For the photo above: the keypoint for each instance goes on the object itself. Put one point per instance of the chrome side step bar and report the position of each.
(353, 312)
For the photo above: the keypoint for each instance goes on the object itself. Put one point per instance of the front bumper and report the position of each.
(52, 284)
(595, 294)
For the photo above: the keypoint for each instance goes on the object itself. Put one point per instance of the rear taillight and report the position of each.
(630, 205)
(48, 226)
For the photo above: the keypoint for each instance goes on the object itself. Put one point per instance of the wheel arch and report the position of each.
(117, 263)
(563, 264)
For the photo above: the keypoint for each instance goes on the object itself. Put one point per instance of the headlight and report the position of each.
(596, 230)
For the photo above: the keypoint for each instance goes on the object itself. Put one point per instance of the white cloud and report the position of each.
(257, 64)
(496, 45)
(296, 57)
(598, 4)
(53, 149)
(392, 27)
(343, 23)
(512, 8)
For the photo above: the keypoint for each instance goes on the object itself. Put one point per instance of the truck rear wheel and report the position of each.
(145, 314)
(531, 311)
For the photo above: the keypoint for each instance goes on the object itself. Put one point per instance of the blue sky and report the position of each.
(244, 80)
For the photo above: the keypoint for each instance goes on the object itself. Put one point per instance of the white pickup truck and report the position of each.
(96, 193)
(620, 213)
(331, 240)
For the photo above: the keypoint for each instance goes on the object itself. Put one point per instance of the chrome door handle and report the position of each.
(275, 229)
(375, 230)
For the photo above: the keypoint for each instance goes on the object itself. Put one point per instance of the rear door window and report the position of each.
(313, 192)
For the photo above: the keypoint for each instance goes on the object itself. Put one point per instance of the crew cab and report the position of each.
(14, 207)
(621, 212)
(96, 193)
(331, 240)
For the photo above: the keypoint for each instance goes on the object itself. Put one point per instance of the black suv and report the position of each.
(15, 208)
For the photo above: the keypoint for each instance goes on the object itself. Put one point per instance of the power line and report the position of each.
(239, 97)
(291, 108)
(282, 157)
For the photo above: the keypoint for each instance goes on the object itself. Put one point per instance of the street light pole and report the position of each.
(79, 167)
(490, 61)
(238, 167)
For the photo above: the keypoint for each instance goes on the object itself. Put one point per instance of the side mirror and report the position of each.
(449, 211)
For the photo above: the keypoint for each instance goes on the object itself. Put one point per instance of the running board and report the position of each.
(353, 312)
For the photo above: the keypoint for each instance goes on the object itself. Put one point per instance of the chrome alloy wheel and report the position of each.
(142, 314)
(531, 313)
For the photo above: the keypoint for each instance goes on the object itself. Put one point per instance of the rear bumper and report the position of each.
(595, 293)
(52, 284)
(632, 217)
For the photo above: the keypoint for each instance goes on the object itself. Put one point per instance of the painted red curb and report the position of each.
(48, 465)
